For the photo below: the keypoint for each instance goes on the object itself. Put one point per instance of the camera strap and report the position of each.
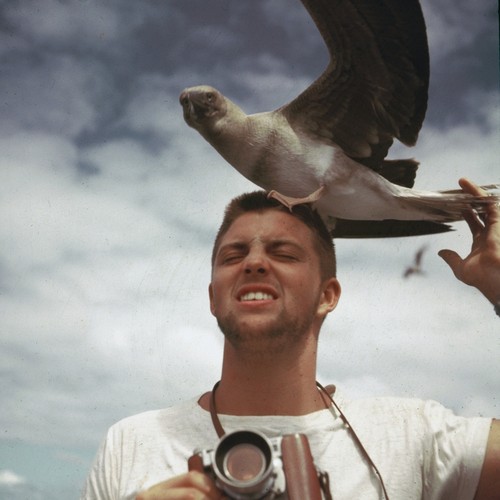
(323, 480)
(355, 437)
(215, 418)
(213, 413)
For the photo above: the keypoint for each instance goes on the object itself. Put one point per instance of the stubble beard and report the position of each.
(285, 332)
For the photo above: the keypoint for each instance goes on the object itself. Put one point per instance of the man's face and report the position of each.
(266, 289)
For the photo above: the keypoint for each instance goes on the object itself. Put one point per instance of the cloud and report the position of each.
(54, 23)
(380, 339)
(453, 26)
(467, 148)
(109, 204)
(9, 478)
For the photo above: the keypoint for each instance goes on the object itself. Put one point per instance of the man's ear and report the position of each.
(211, 297)
(329, 297)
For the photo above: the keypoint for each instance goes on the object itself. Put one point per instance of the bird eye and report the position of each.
(210, 97)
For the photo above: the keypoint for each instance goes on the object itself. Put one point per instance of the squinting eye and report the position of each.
(228, 259)
(286, 256)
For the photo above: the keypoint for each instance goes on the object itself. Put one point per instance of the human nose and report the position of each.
(256, 263)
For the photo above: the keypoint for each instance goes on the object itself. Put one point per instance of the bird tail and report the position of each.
(449, 206)
(401, 172)
(441, 207)
(344, 228)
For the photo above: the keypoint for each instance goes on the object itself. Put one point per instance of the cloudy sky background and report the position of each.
(109, 204)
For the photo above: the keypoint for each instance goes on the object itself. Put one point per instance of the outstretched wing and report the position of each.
(375, 86)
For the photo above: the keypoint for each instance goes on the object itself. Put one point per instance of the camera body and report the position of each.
(248, 465)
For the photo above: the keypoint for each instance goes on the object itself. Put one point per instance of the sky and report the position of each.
(109, 204)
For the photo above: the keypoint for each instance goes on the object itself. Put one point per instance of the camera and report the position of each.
(248, 465)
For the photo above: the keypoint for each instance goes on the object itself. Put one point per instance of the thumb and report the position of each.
(453, 260)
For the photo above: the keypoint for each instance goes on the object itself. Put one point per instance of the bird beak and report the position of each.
(193, 105)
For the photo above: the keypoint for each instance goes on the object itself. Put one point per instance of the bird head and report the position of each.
(202, 104)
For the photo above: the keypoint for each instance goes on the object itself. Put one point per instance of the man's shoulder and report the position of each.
(382, 408)
(168, 416)
(344, 399)
(405, 412)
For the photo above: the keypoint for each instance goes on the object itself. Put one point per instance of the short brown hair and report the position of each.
(258, 201)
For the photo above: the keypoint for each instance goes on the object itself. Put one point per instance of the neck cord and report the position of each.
(220, 430)
(355, 437)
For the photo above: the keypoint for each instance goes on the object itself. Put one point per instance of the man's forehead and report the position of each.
(269, 226)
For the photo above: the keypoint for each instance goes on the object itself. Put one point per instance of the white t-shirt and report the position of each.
(422, 450)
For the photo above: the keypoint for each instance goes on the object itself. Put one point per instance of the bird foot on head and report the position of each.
(290, 201)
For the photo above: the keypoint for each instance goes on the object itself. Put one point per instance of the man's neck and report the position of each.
(284, 384)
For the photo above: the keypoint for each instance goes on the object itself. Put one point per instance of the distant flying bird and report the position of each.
(416, 267)
(328, 146)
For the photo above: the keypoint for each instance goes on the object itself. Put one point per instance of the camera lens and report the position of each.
(244, 462)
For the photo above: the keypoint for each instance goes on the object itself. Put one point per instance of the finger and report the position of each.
(453, 260)
(492, 210)
(475, 222)
(199, 485)
(174, 494)
(470, 187)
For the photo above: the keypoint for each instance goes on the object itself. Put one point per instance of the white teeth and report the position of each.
(256, 296)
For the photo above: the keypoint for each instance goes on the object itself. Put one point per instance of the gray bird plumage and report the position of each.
(416, 267)
(328, 146)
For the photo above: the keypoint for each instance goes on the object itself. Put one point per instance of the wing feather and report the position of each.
(375, 86)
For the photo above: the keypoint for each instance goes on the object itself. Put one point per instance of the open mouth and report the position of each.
(250, 296)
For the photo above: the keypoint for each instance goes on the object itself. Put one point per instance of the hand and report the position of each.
(481, 268)
(192, 485)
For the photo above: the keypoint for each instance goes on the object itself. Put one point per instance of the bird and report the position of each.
(416, 267)
(328, 146)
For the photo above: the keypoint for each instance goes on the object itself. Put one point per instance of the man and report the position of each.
(273, 283)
